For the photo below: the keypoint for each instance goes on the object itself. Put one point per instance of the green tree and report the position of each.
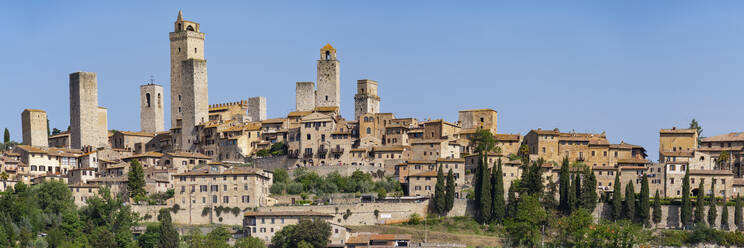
(483, 142)
(136, 180)
(629, 206)
(526, 228)
(304, 244)
(685, 213)
(712, 211)
(168, 234)
(738, 217)
(485, 198)
(531, 182)
(700, 205)
(695, 125)
(250, 242)
(512, 203)
(6, 136)
(724, 214)
(450, 190)
(657, 208)
(281, 176)
(644, 204)
(577, 190)
(278, 148)
(440, 202)
(617, 198)
(564, 184)
(589, 192)
(572, 200)
(151, 237)
(498, 206)
(315, 232)
(218, 238)
(573, 230)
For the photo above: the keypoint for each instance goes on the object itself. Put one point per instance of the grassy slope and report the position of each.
(450, 230)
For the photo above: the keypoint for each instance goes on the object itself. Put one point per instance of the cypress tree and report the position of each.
(168, 233)
(478, 179)
(644, 206)
(629, 206)
(617, 199)
(564, 183)
(572, 201)
(589, 190)
(440, 203)
(724, 214)
(657, 208)
(136, 180)
(577, 189)
(6, 136)
(712, 210)
(497, 193)
(511, 208)
(700, 205)
(450, 191)
(685, 214)
(485, 199)
(738, 218)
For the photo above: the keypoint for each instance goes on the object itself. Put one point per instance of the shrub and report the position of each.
(205, 211)
(294, 188)
(278, 188)
(347, 214)
(414, 219)
(175, 208)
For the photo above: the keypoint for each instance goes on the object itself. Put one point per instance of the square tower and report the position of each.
(257, 108)
(186, 42)
(103, 140)
(329, 78)
(479, 118)
(366, 100)
(305, 96)
(195, 107)
(35, 131)
(84, 125)
(151, 108)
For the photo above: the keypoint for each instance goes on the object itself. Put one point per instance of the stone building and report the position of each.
(35, 161)
(366, 100)
(193, 107)
(257, 109)
(186, 42)
(329, 79)
(231, 111)
(479, 119)
(676, 140)
(263, 225)
(85, 127)
(61, 140)
(711, 148)
(82, 192)
(132, 141)
(34, 125)
(219, 186)
(152, 117)
(305, 96)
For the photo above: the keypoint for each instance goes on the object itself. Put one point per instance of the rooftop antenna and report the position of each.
(152, 79)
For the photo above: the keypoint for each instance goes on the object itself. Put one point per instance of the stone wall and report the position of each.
(305, 96)
(257, 108)
(669, 215)
(345, 170)
(34, 126)
(84, 110)
(194, 99)
(272, 163)
(152, 117)
(329, 77)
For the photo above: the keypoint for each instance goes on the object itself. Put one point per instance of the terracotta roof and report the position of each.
(603, 168)
(676, 154)
(62, 134)
(451, 160)
(288, 213)
(273, 121)
(421, 162)
(316, 117)
(477, 110)
(711, 172)
(299, 113)
(424, 174)
(739, 181)
(388, 148)
(142, 134)
(624, 145)
(34, 110)
(468, 131)
(632, 167)
(358, 150)
(632, 161)
(143, 155)
(507, 137)
(734, 136)
(546, 132)
(718, 149)
(231, 171)
(188, 155)
(326, 109)
(428, 141)
(328, 47)
(676, 130)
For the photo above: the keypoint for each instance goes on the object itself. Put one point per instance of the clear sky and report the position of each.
(625, 67)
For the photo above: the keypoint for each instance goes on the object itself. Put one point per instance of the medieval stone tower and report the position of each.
(186, 42)
(257, 108)
(366, 100)
(34, 125)
(305, 96)
(194, 107)
(151, 108)
(85, 127)
(329, 77)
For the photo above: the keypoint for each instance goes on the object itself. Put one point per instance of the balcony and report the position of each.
(337, 150)
(293, 154)
(322, 150)
(307, 155)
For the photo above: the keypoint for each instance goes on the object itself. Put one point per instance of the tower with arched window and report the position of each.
(186, 42)
(329, 78)
(152, 108)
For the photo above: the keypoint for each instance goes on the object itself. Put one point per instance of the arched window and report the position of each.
(369, 130)
(147, 97)
(160, 101)
(179, 26)
(190, 28)
(328, 55)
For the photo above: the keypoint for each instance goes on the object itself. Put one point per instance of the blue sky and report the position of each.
(627, 68)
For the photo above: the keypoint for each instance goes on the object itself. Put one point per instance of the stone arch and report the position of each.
(147, 97)
(328, 55)
(190, 28)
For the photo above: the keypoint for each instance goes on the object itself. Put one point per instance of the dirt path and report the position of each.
(417, 235)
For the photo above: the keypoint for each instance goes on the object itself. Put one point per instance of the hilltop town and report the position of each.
(229, 164)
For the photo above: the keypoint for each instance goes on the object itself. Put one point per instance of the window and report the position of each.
(308, 136)
(225, 199)
(214, 199)
(543, 149)
(369, 131)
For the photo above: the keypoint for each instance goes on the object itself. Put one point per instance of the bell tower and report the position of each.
(186, 42)
(329, 77)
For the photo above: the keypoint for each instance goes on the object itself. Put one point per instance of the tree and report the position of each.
(485, 198)
(498, 205)
(644, 205)
(49, 131)
(738, 217)
(589, 192)
(578, 189)
(700, 204)
(564, 184)
(151, 237)
(685, 213)
(724, 214)
(249, 242)
(315, 232)
(525, 228)
(56, 131)
(168, 234)
(629, 206)
(712, 210)
(723, 160)
(531, 182)
(695, 125)
(278, 148)
(136, 180)
(6, 136)
(450, 191)
(483, 142)
(281, 176)
(573, 230)
(217, 238)
(657, 208)
(572, 200)
(511, 207)
(617, 198)
(440, 202)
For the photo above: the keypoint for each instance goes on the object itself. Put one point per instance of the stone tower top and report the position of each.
(328, 52)
(180, 25)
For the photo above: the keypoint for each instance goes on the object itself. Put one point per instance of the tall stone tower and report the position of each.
(85, 129)
(35, 131)
(329, 78)
(186, 42)
(305, 96)
(151, 108)
(257, 108)
(103, 127)
(194, 104)
(366, 100)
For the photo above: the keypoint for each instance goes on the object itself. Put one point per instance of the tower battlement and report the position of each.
(242, 103)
